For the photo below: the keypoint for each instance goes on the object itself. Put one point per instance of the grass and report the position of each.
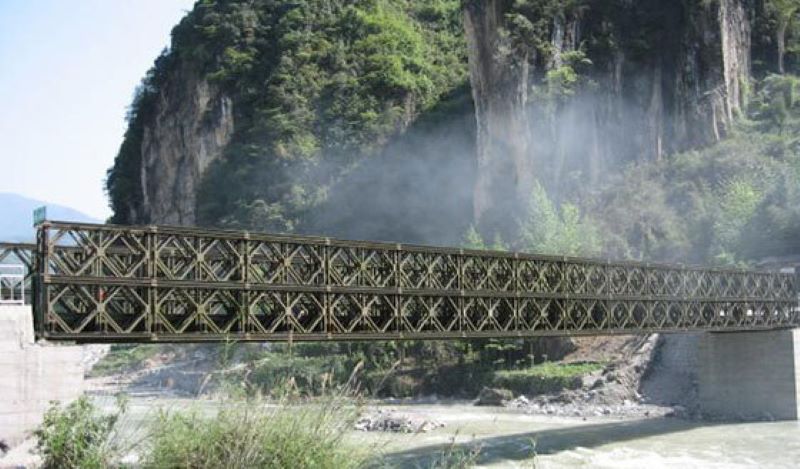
(123, 358)
(545, 378)
(252, 434)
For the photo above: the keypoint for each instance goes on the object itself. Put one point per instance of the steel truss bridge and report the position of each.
(106, 283)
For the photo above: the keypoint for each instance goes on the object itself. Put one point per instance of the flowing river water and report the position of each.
(508, 438)
(512, 438)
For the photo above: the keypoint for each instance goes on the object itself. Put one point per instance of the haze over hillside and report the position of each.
(660, 130)
(16, 216)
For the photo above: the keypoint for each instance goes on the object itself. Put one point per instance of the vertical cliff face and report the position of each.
(500, 80)
(611, 82)
(191, 125)
(735, 33)
(565, 92)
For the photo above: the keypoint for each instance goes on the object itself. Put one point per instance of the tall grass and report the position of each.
(251, 432)
(256, 434)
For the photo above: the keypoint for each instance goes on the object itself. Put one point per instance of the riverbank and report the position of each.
(505, 437)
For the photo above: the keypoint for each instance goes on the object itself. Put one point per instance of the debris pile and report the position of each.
(388, 420)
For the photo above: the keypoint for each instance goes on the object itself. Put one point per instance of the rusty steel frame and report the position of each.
(101, 283)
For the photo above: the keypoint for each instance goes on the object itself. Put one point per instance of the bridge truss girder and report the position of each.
(97, 283)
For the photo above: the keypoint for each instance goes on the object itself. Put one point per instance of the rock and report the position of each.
(494, 396)
(598, 383)
(519, 402)
(389, 421)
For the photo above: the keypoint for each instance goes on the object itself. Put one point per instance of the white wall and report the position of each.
(32, 375)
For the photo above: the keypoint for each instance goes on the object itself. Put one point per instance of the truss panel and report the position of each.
(119, 283)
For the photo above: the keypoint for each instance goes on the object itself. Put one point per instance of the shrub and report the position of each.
(305, 374)
(254, 435)
(75, 436)
(123, 358)
(546, 378)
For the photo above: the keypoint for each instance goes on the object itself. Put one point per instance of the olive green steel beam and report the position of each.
(106, 283)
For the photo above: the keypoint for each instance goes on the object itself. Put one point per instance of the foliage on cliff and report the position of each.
(341, 102)
(730, 203)
(317, 85)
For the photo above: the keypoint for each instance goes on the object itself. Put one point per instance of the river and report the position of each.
(507, 439)
(510, 438)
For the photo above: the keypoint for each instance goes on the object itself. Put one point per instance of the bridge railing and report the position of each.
(105, 282)
(16, 272)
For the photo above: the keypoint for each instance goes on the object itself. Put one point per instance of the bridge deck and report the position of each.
(99, 283)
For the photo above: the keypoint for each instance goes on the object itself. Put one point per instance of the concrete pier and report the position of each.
(32, 375)
(750, 375)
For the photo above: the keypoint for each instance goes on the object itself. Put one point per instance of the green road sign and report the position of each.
(39, 215)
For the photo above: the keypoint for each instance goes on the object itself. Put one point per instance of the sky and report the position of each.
(68, 70)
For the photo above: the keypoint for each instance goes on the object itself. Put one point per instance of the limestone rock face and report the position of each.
(662, 76)
(192, 125)
(500, 81)
(656, 77)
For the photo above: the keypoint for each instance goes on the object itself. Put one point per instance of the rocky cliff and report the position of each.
(259, 111)
(564, 86)
(189, 129)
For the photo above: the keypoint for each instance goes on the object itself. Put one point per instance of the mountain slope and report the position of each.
(16, 216)
(529, 119)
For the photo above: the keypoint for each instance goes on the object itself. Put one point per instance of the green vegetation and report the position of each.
(252, 434)
(726, 204)
(548, 377)
(396, 369)
(546, 229)
(121, 358)
(314, 83)
(308, 434)
(76, 436)
(746, 189)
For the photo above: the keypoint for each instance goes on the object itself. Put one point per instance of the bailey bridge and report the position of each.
(94, 283)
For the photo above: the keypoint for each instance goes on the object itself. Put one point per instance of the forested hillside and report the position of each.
(655, 129)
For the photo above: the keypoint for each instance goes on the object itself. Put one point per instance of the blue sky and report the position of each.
(68, 69)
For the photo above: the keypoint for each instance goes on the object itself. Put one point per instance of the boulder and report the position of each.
(494, 396)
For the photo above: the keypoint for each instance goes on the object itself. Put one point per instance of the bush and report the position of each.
(75, 436)
(546, 378)
(305, 375)
(123, 358)
(254, 435)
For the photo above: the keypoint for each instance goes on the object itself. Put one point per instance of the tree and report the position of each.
(557, 231)
(784, 12)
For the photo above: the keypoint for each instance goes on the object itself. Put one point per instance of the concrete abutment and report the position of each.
(32, 375)
(749, 375)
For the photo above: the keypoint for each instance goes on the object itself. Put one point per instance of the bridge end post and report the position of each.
(750, 375)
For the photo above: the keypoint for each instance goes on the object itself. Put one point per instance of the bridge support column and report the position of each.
(750, 375)
(32, 375)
